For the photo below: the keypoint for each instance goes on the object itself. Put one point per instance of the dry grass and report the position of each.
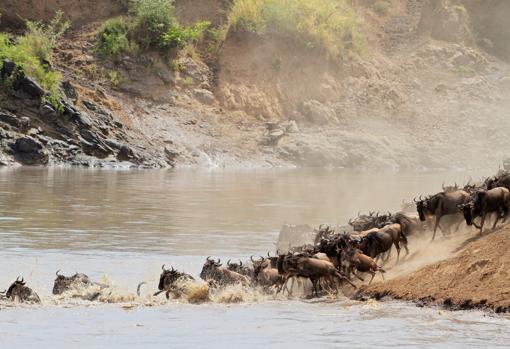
(331, 25)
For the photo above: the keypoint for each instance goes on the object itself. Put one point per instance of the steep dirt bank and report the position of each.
(414, 99)
(475, 277)
(79, 12)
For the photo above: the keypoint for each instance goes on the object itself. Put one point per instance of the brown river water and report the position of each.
(120, 226)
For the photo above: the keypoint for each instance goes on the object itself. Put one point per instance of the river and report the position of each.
(121, 226)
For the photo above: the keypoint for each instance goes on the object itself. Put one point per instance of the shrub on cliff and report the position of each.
(151, 24)
(112, 40)
(33, 52)
(331, 25)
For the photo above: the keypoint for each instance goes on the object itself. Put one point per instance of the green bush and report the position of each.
(151, 24)
(34, 50)
(328, 24)
(151, 20)
(112, 39)
(179, 37)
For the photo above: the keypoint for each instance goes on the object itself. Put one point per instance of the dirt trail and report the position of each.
(474, 277)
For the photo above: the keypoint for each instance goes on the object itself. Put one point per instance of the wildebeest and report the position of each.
(440, 205)
(214, 271)
(170, 281)
(483, 202)
(369, 221)
(314, 269)
(77, 281)
(265, 273)
(246, 270)
(354, 260)
(380, 241)
(18, 291)
(500, 180)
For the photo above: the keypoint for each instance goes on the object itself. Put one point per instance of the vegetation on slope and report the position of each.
(149, 25)
(33, 53)
(331, 25)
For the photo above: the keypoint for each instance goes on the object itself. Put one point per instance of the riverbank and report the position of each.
(261, 101)
(474, 278)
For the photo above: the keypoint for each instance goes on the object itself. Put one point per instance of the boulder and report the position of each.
(28, 86)
(8, 68)
(204, 96)
(318, 113)
(30, 151)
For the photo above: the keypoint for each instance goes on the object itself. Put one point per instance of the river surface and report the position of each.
(121, 226)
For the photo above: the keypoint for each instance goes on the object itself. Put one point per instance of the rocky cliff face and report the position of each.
(424, 95)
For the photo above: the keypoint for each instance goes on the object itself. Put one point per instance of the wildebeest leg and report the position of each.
(397, 246)
(167, 294)
(438, 218)
(314, 287)
(373, 276)
(158, 293)
(355, 272)
(481, 223)
(498, 216)
(342, 277)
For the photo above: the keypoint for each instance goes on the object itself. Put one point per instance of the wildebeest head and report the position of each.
(15, 288)
(169, 277)
(237, 267)
(209, 268)
(468, 211)
(427, 205)
(63, 283)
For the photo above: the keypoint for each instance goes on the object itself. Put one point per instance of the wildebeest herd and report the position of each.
(335, 256)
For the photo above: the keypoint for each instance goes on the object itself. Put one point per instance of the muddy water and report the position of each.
(120, 226)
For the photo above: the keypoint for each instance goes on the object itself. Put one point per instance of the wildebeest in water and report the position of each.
(77, 282)
(18, 291)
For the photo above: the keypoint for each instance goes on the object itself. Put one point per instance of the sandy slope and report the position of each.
(475, 277)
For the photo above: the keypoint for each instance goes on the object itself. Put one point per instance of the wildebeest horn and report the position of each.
(268, 254)
(17, 279)
(58, 271)
(163, 267)
(240, 263)
(172, 267)
(261, 258)
(228, 262)
(209, 259)
(251, 258)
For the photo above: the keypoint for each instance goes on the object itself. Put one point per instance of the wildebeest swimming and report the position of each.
(78, 282)
(333, 256)
(18, 291)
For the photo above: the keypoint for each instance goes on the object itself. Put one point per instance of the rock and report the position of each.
(8, 68)
(30, 151)
(28, 86)
(47, 111)
(93, 145)
(318, 113)
(292, 127)
(69, 91)
(204, 96)
(126, 153)
(9, 118)
(171, 156)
